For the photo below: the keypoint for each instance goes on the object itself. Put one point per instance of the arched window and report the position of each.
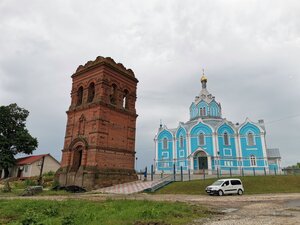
(201, 112)
(79, 95)
(226, 139)
(204, 112)
(201, 139)
(91, 92)
(113, 94)
(165, 143)
(125, 99)
(181, 142)
(253, 160)
(250, 137)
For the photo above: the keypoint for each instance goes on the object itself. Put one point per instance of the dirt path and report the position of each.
(247, 209)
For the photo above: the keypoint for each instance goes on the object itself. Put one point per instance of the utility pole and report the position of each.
(41, 171)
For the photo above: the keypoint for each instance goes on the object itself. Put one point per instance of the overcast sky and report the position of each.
(250, 51)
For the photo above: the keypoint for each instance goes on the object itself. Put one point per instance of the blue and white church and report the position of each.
(210, 144)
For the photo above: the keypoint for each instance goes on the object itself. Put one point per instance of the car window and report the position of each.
(235, 182)
(217, 183)
(226, 183)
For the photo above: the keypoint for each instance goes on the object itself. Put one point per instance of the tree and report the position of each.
(296, 166)
(14, 137)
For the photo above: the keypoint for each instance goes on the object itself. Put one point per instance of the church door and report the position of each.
(202, 161)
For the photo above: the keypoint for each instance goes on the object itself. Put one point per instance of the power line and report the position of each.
(283, 118)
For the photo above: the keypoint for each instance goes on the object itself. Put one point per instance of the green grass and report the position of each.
(110, 212)
(18, 192)
(252, 185)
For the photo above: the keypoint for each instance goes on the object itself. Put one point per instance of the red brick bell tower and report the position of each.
(99, 147)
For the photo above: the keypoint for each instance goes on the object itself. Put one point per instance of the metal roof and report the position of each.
(273, 153)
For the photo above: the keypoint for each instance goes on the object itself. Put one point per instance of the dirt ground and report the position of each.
(247, 209)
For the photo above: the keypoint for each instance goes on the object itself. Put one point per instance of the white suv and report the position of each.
(226, 186)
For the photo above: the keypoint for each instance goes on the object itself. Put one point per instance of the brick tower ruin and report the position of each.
(99, 147)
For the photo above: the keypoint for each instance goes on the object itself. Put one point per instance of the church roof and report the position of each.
(273, 153)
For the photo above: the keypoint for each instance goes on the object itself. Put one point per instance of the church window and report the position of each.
(113, 95)
(181, 142)
(201, 112)
(125, 99)
(91, 92)
(250, 138)
(181, 153)
(253, 160)
(201, 139)
(79, 95)
(226, 139)
(165, 143)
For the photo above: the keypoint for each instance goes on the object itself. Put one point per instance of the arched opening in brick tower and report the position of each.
(113, 95)
(77, 158)
(79, 95)
(125, 99)
(91, 92)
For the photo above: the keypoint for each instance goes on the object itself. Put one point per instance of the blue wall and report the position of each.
(214, 109)
(162, 152)
(255, 149)
(181, 159)
(227, 152)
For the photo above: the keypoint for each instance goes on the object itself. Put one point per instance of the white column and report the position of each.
(264, 147)
(174, 151)
(209, 164)
(238, 151)
(188, 150)
(156, 154)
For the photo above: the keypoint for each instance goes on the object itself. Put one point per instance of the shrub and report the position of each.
(30, 182)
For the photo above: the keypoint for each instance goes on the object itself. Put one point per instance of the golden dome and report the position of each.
(203, 78)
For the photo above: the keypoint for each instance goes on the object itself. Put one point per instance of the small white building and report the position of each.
(30, 166)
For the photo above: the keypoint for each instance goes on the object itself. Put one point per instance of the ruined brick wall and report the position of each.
(101, 125)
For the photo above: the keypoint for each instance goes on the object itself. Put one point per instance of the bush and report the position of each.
(30, 182)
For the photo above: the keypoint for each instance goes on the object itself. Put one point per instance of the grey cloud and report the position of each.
(250, 52)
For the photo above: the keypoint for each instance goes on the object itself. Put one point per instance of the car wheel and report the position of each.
(240, 192)
(220, 192)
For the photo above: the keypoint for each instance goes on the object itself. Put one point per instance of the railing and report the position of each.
(291, 171)
(160, 183)
(187, 175)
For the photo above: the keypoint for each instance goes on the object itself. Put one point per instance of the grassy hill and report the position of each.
(252, 185)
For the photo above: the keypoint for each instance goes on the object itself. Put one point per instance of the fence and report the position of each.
(291, 171)
(183, 175)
